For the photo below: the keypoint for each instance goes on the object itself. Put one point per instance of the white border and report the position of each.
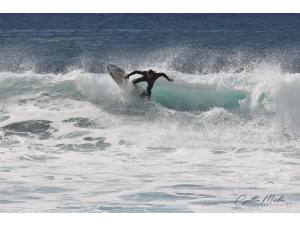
(150, 6)
(150, 219)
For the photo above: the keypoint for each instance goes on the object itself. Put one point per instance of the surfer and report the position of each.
(149, 76)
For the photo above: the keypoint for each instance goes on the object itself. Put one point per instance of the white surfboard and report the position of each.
(118, 75)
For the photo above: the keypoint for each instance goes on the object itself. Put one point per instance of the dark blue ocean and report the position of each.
(209, 42)
(226, 130)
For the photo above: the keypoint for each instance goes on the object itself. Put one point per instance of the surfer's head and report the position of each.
(150, 73)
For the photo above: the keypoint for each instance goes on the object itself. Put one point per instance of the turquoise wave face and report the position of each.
(197, 98)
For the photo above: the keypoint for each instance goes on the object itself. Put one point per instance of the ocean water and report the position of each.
(229, 125)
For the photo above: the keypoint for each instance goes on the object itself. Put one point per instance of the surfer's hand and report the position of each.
(171, 79)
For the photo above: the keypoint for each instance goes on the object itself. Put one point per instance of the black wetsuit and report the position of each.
(145, 78)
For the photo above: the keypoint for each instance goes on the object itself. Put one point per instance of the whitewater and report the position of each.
(75, 142)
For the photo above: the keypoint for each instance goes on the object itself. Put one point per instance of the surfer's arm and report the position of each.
(165, 76)
(134, 72)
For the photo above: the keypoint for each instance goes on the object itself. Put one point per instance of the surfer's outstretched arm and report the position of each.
(134, 72)
(165, 76)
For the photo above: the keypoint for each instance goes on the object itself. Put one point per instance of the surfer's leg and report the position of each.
(150, 86)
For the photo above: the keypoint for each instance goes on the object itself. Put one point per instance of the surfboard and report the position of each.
(118, 75)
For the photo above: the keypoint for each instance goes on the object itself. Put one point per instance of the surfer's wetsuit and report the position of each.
(149, 80)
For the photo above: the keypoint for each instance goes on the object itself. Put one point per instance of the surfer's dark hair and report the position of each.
(151, 71)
